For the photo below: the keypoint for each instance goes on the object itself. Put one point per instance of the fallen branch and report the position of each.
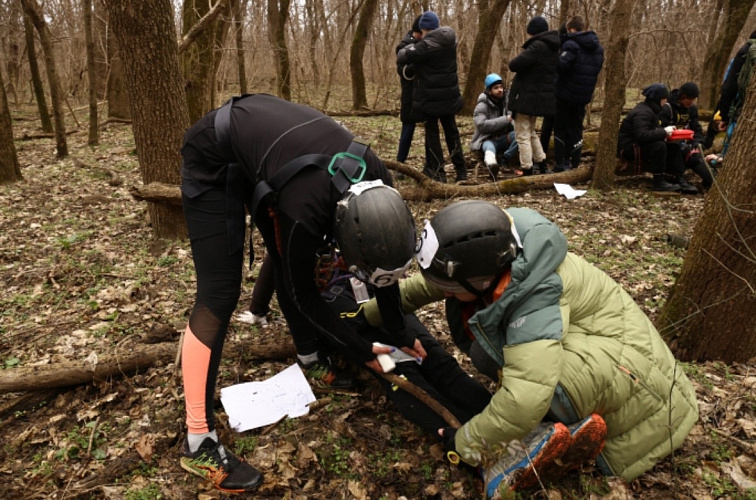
(139, 357)
(423, 397)
(428, 189)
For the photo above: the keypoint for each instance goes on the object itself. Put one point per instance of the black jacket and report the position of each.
(579, 65)
(641, 126)
(730, 85)
(532, 91)
(436, 92)
(265, 133)
(674, 113)
(406, 78)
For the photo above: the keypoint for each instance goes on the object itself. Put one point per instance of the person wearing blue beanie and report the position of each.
(429, 21)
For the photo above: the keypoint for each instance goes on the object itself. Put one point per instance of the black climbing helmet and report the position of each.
(375, 233)
(466, 245)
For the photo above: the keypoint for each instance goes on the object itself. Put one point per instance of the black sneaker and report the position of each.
(662, 186)
(686, 187)
(227, 472)
(322, 372)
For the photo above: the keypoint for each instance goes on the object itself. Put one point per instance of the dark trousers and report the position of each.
(651, 157)
(439, 375)
(264, 287)
(547, 127)
(568, 134)
(435, 156)
(405, 141)
(681, 156)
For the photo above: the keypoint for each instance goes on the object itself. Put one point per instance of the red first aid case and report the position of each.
(681, 135)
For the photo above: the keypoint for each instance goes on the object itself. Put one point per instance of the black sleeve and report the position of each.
(695, 125)
(730, 85)
(298, 248)
(390, 305)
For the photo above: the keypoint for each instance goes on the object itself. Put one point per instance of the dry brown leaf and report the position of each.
(145, 446)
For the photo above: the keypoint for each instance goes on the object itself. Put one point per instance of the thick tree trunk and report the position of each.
(278, 15)
(718, 51)
(489, 20)
(93, 138)
(198, 64)
(118, 96)
(361, 34)
(36, 78)
(239, 7)
(710, 311)
(157, 101)
(31, 8)
(614, 93)
(10, 171)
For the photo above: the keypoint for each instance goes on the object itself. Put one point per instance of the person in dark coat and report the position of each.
(436, 93)
(532, 91)
(229, 154)
(641, 138)
(577, 72)
(407, 114)
(728, 93)
(682, 112)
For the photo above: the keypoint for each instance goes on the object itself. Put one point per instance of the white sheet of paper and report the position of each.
(568, 191)
(257, 404)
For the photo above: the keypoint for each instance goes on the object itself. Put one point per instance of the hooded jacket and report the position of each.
(567, 335)
(532, 90)
(579, 64)
(436, 87)
(674, 113)
(641, 126)
(490, 120)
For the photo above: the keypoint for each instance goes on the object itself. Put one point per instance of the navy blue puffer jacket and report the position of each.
(532, 91)
(579, 65)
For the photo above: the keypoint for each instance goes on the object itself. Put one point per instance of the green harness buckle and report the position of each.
(360, 163)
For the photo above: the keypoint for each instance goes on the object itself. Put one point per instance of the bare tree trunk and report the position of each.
(158, 103)
(118, 96)
(278, 15)
(198, 64)
(314, 31)
(10, 171)
(93, 138)
(361, 33)
(614, 93)
(239, 7)
(39, 89)
(564, 11)
(489, 20)
(56, 94)
(718, 51)
(710, 311)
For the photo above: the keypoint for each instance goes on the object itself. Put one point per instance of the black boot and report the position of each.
(660, 185)
(686, 187)
(700, 168)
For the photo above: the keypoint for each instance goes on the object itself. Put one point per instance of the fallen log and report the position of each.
(157, 192)
(123, 362)
(427, 189)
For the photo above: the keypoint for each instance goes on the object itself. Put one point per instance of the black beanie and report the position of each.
(656, 92)
(416, 25)
(689, 89)
(537, 25)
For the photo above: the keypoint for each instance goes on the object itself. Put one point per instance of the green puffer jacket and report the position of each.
(567, 334)
(576, 332)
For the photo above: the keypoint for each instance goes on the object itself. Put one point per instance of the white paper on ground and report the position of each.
(257, 404)
(568, 191)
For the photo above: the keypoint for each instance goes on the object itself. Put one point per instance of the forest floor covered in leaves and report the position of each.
(83, 279)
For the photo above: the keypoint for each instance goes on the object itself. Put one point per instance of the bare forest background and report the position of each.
(301, 50)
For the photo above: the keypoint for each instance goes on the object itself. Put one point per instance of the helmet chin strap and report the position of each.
(480, 294)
